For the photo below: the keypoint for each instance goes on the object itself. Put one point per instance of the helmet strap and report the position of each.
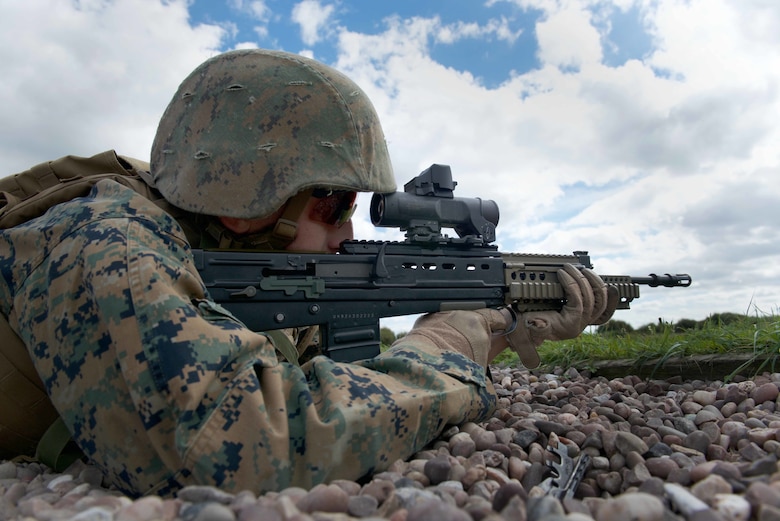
(286, 227)
(277, 238)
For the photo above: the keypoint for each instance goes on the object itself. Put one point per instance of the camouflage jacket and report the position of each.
(163, 388)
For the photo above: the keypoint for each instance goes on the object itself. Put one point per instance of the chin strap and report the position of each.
(277, 238)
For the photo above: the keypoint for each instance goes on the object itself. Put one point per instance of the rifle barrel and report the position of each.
(667, 280)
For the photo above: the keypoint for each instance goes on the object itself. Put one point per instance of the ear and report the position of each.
(235, 224)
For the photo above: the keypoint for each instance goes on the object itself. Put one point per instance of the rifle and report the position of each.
(348, 292)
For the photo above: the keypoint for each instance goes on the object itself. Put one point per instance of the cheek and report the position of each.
(311, 236)
(344, 233)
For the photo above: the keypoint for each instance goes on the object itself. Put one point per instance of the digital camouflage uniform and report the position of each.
(162, 388)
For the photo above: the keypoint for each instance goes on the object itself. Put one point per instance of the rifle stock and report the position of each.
(347, 293)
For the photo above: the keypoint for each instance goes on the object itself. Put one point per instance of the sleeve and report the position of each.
(186, 394)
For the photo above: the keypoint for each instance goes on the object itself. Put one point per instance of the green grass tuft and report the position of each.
(723, 333)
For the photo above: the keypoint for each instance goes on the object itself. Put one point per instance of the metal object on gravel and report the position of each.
(567, 472)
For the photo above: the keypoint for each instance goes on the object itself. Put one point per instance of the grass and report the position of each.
(721, 334)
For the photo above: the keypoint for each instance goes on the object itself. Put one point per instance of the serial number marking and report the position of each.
(355, 315)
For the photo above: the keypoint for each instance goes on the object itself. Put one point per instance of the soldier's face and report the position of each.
(317, 234)
(322, 226)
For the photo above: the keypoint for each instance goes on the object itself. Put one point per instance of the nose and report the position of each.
(337, 235)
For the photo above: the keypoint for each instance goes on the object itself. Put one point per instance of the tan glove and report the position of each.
(588, 301)
(480, 335)
(475, 334)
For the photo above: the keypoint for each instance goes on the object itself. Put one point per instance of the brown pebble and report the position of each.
(483, 439)
(506, 492)
(350, 487)
(635, 506)
(324, 498)
(379, 489)
(610, 482)
(256, 512)
(708, 487)
(517, 468)
(759, 493)
(661, 467)
(765, 393)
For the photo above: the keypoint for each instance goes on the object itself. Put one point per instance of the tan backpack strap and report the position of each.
(57, 449)
(25, 409)
(137, 166)
(29, 194)
(52, 173)
(306, 339)
(284, 345)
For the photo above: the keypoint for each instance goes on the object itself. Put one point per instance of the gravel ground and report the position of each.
(659, 450)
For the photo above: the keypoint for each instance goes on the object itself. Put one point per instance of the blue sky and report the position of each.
(492, 63)
(644, 131)
(491, 58)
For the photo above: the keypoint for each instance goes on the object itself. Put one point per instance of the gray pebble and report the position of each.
(544, 507)
(506, 492)
(7, 470)
(524, 438)
(204, 494)
(626, 442)
(438, 469)
(206, 512)
(697, 440)
(258, 512)
(362, 506)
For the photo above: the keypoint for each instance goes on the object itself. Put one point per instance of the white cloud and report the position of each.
(82, 78)
(580, 46)
(313, 17)
(450, 33)
(668, 163)
(256, 10)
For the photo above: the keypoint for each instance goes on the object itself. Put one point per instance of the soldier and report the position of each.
(161, 387)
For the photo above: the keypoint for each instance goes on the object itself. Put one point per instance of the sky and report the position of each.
(646, 132)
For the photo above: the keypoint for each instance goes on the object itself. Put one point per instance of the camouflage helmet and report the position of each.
(249, 129)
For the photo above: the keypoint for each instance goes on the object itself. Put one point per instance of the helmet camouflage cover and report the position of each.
(249, 129)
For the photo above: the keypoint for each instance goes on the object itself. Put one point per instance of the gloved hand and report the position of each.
(481, 335)
(588, 301)
(470, 333)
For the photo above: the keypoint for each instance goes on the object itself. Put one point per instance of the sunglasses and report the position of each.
(335, 207)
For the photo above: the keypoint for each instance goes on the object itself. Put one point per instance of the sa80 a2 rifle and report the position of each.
(347, 293)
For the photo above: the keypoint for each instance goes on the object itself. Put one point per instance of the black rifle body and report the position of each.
(347, 294)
